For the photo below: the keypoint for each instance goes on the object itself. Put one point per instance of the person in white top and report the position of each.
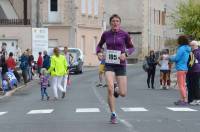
(164, 70)
(69, 59)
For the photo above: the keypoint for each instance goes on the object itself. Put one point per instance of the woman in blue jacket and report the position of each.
(181, 59)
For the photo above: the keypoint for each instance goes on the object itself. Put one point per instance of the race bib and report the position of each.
(112, 56)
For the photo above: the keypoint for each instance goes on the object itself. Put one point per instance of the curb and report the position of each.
(10, 93)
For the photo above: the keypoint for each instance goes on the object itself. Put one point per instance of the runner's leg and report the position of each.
(110, 82)
(122, 84)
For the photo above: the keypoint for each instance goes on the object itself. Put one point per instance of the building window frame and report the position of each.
(83, 7)
(83, 46)
(89, 7)
(96, 8)
(54, 5)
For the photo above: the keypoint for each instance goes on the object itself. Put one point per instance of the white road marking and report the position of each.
(128, 125)
(134, 109)
(181, 109)
(3, 113)
(44, 111)
(85, 110)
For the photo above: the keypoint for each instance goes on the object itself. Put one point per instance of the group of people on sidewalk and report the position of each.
(187, 64)
(9, 76)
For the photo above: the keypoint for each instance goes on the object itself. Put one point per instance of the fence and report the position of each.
(15, 22)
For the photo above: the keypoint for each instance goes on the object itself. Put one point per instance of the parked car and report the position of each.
(76, 65)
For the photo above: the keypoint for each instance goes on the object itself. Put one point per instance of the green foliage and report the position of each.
(189, 18)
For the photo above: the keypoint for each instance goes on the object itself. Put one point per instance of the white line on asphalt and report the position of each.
(181, 109)
(85, 110)
(134, 109)
(44, 111)
(3, 113)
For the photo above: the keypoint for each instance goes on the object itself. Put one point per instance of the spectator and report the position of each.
(24, 66)
(46, 60)
(181, 59)
(58, 69)
(30, 64)
(39, 62)
(193, 75)
(11, 64)
(151, 60)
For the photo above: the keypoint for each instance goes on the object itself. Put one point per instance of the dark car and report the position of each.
(76, 65)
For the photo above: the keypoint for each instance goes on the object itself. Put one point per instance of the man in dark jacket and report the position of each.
(30, 64)
(151, 60)
(46, 60)
(24, 66)
(193, 75)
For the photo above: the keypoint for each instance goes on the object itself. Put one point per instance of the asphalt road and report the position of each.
(85, 109)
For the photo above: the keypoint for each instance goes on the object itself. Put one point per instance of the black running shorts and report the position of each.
(119, 70)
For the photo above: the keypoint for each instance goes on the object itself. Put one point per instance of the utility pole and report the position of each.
(149, 25)
(38, 14)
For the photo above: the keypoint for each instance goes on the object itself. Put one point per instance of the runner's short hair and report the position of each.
(115, 16)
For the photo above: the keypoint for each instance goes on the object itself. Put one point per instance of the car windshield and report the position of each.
(75, 53)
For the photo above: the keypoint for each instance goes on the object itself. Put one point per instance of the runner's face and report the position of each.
(115, 23)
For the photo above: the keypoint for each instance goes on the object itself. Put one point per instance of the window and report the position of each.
(94, 44)
(159, 21)
(90, 7)
(54, 5)
(82, 47)
(154, 16)
(83, 6)
(163, 18)
(96, 9)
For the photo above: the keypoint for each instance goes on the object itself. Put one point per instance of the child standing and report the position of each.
(101, 68)
(44, 83)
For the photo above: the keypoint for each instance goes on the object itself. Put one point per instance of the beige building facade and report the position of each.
(71, 23)
(80, 23)
(15, 28)
(74, 23)
(154, 24)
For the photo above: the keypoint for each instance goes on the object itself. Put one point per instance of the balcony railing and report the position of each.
(14, 22)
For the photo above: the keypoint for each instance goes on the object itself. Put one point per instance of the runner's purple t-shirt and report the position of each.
(119, 41)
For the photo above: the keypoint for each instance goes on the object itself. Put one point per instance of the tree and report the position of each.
(187, 17)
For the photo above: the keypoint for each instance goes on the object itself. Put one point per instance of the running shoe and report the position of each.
(113, 119)
(181, 103)
(105, 85)
(116, 90)
(195, 102)
(48, 97)
(99, 85)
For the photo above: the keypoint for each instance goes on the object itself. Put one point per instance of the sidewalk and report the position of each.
(11, 92)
